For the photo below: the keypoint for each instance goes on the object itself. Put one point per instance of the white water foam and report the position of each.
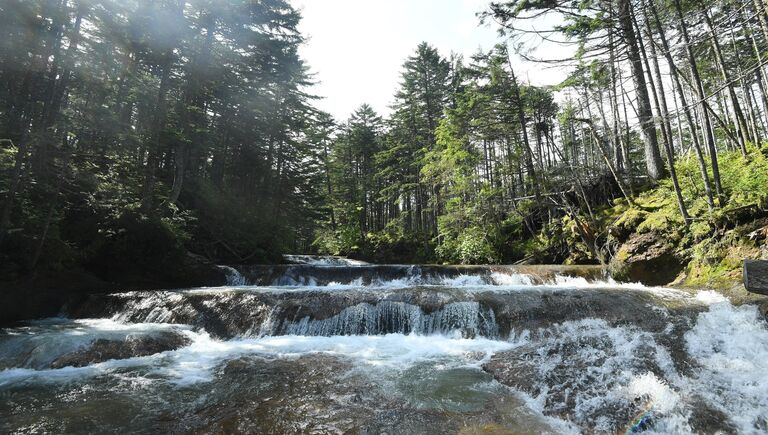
(495, 282)
(195, 363)
(323, 260)
(505, 279)
(234, 277)
(592, 364)
(41, 342)
(731, 346)
(657, 391)
(595, 365)
(391, 352)
(709, 297)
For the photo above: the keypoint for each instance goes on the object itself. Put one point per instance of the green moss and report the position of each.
(662, 221)
(716, 242)
(631, 219)
(654, 199)
(717, 261)
(700, 229)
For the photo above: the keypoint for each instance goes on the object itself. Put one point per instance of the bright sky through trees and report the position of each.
(356, 47)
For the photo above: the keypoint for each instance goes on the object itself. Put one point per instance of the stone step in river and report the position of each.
(333, 347)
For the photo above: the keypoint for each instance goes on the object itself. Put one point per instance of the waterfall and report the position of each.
(234, 277)
(468, 319)
(322, 273)
(322, 260)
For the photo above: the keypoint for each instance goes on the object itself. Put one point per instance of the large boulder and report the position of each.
(648, 258)
(101, 349)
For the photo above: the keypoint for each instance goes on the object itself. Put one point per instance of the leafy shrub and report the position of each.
(473, 247)
(345, 240)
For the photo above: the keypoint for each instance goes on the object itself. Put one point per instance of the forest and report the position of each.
(137, 136)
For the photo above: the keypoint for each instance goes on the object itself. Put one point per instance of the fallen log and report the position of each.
(756, 276)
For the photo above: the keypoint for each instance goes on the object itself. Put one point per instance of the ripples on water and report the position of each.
(492, 353)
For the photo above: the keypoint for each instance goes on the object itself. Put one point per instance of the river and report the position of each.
(337, 347)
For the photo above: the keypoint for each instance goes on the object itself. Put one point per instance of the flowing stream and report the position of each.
(329, 346)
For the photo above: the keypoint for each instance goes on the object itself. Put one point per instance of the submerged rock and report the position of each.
(101, 350)
(646, 258)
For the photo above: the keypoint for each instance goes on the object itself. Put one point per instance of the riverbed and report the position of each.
(410, 350)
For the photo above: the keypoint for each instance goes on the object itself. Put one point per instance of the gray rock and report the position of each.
(647, 258)
(101, 350)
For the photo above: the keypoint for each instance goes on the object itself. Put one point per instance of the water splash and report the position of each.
(197, 362)
(234, 277)
(730, 345)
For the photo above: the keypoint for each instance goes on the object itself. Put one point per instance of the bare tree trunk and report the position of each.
(683, 149)
(661, 107)
(626, 138)
(741, 122)
(760, 11)
(665, 136)
(754, 111)
(686, 108)
(699, 89)
(653, 163)
(614, 103)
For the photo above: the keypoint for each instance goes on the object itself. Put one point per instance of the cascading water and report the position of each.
(233, 276)
(322, 260)
(388, 317)
(331, 347)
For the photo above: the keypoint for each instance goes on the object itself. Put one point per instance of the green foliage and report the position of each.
(657, 211)
(128, 123)
(469, 246)
(745, 182)
(138, 124)
(474, 247)
(345, 240)
(717, 261)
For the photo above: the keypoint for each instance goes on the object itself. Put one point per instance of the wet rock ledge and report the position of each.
(101, 350)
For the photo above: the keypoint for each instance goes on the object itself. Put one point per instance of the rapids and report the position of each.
(326, 346)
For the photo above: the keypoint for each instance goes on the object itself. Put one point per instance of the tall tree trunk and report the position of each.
(665, 136)
(191, 118)
(626, 137)
(614, 102)
(666, 123)
(329, 186)
(147, 196)
(760, 11)
(683, 102)
(653, 163)
(523, 127)
(740, 120)
(661, 107)
(699, 89)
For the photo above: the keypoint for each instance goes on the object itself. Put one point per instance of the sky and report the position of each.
(356, 48)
